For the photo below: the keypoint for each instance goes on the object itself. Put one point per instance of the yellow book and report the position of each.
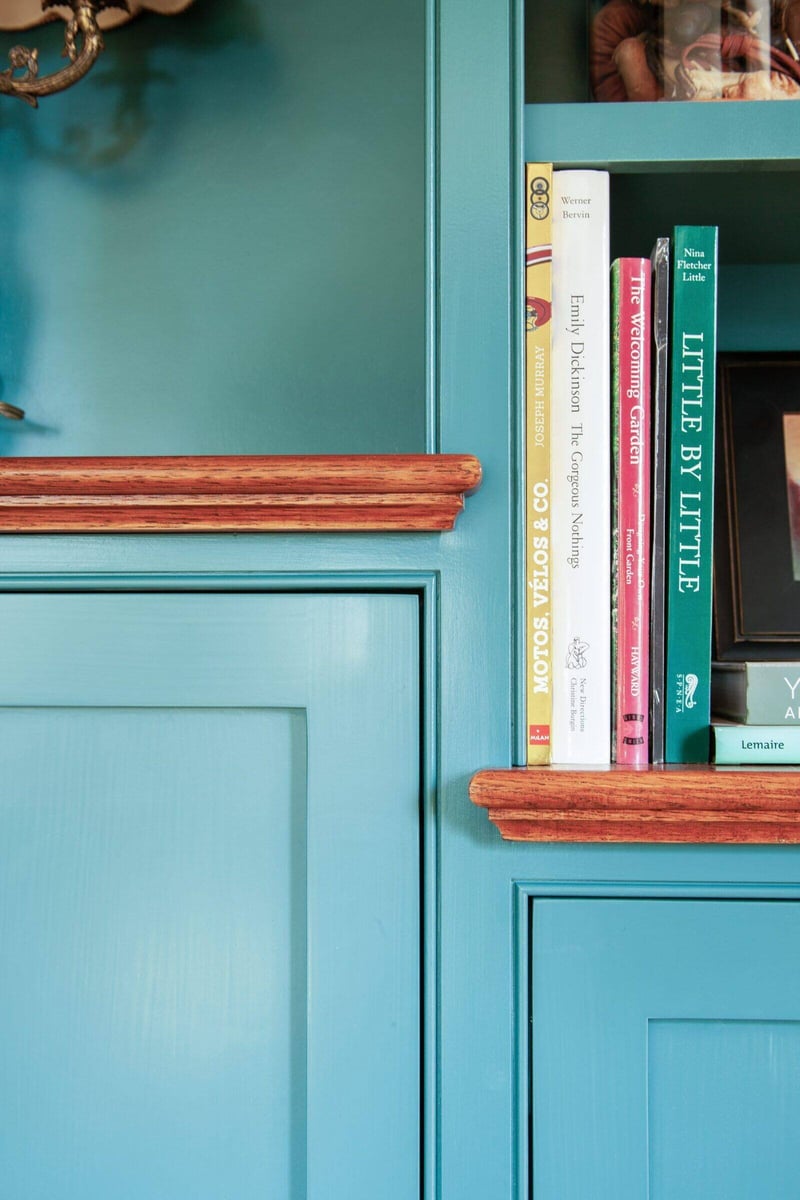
(538, 301)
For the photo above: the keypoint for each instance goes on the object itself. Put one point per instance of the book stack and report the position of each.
(756, 712)
(620, 391)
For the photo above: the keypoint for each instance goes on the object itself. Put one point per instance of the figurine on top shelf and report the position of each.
(671, 50)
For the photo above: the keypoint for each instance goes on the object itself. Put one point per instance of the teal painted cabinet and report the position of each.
(666, 1049)
(254, 940)
(209, 897)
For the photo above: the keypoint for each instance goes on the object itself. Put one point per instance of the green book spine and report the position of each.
(691, 491)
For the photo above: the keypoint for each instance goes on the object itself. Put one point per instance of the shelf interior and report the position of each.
(751, 199)
(562, 123)
(732, 164)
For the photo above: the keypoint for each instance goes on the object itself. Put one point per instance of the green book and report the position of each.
(691, 492)
(756, 693)
(765, 744)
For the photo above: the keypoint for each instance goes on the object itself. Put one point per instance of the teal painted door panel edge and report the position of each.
(426, 586)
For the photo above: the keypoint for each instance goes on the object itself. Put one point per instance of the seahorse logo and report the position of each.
(690, 683)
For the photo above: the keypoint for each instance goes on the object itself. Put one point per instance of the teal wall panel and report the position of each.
(216, 243)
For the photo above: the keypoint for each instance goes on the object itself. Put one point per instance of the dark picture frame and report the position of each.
(756, 591)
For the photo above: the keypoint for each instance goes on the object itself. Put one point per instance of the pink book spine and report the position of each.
(633, 507)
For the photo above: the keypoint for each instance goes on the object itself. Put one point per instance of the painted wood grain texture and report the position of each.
(225, 494)
(666, 1048)
(687, 804)
(210, 896)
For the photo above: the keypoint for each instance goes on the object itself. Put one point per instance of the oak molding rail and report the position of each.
(680, 804)
(209, 494)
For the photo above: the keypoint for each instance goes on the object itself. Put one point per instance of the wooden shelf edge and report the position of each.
(671, 804)
(267, 493)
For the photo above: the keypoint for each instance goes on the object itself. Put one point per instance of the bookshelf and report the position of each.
(701, 804)
(737, 165)
(243, 493)
(687, 137)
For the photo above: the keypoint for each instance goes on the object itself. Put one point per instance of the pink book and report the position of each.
(631, 337)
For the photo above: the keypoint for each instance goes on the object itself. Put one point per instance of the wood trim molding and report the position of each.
(682, 804)
(275, 493)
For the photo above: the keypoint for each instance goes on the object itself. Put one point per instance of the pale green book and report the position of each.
(691, 494)
(766, 744)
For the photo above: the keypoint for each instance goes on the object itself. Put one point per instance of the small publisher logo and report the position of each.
(690, 683)
(537, 312)
(539, 199)
(576, 655)
(538, 735)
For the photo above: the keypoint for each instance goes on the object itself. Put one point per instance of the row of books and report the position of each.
(620, 394)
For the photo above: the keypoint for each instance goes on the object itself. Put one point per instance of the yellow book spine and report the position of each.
(538, 302)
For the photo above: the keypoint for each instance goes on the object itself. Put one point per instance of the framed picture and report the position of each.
(757, 508)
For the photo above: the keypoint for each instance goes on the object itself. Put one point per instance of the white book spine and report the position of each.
(581, 469)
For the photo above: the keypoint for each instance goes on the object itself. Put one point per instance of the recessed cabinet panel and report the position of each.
(153, 933)
(209, 897)
(734, 1132)
(666, 1049)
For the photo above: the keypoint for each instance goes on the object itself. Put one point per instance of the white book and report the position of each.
(581, 469)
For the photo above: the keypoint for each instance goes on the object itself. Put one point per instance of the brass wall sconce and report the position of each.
(84, 20)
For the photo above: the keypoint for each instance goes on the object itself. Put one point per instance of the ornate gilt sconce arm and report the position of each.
(83, 39)
(83, 43)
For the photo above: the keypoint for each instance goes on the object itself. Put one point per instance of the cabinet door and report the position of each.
(209, 897)
(666, 1049)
